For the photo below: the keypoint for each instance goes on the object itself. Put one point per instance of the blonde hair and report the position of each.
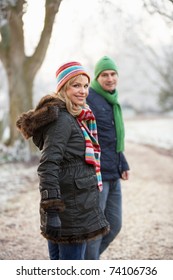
(72, 108)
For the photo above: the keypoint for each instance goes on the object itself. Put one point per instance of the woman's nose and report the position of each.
(82, 90)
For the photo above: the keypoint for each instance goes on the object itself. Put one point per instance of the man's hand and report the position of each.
(125, 175)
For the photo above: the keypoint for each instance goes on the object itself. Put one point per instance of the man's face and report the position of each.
(108, 80)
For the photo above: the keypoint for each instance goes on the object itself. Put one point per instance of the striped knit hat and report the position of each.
(68, 71)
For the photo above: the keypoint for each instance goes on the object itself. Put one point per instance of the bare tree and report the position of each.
(164, 9)
(161, 7)
(21, 69)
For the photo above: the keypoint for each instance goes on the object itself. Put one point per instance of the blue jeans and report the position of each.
(74, 251)
(111, 204)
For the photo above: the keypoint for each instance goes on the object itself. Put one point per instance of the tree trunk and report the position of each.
(20, 92)
(20, 69)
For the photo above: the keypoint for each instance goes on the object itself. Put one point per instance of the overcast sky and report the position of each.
(86, 13)
(86, 30)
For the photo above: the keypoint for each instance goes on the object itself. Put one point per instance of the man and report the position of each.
(103, 101)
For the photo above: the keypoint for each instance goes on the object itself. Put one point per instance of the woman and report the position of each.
(64, 129)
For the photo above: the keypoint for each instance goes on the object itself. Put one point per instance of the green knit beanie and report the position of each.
(105, 63)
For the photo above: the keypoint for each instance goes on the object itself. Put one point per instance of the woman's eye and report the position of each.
(75, 85)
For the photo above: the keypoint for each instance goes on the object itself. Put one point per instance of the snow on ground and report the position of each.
(157, 132)
(15, 178)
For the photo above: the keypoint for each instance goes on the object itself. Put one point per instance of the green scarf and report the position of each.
(118, 119)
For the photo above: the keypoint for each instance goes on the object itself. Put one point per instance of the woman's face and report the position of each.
(77, 91)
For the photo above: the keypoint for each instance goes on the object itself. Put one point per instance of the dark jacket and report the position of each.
(112, 163)
(63, 170)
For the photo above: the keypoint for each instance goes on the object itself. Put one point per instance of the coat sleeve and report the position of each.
(55, 138)
(123, 164)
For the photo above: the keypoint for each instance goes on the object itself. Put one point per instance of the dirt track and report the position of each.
(147, 231)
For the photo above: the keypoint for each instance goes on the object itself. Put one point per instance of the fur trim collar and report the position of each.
(45, 112)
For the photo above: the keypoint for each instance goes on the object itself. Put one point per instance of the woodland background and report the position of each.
(36, 37)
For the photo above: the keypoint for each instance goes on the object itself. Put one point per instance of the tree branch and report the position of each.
(34, 62)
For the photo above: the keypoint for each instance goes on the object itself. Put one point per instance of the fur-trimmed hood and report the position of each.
(47, 110)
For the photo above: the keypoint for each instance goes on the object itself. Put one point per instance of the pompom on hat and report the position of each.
(68, 71)
(105, 63)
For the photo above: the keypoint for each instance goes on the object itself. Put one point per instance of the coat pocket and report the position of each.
(86, 192)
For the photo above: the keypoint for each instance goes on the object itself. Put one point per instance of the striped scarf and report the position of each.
(88, 126)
